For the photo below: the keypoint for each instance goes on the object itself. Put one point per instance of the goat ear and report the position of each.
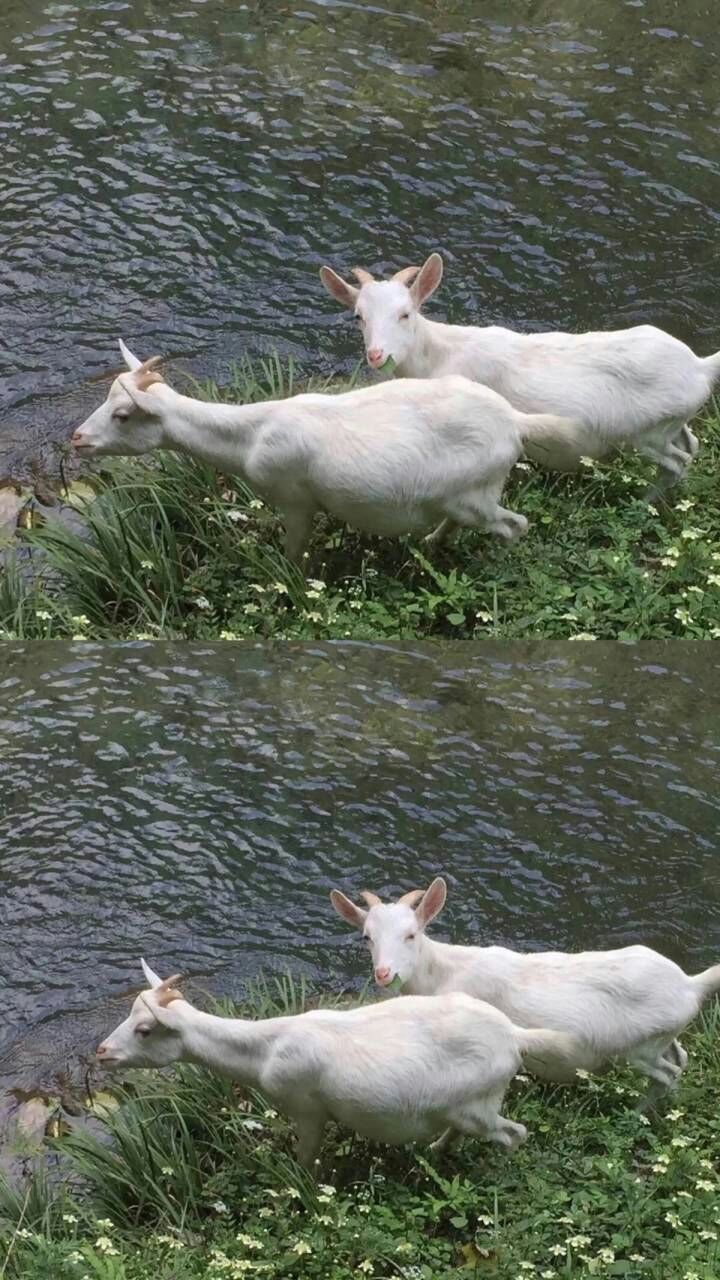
(339, 289)
(150, 405)
(432, 903)
(151, 977)
(350, 913)
(131, 361)
(164, 1014)
(427, 281)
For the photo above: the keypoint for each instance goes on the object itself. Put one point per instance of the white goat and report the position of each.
(629, 1004)
(389, 459)
(393, 1073)
(627, 387)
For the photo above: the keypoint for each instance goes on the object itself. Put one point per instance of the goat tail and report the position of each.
(712, 364)
(555, 442)
(555, 1055)
(707, 983)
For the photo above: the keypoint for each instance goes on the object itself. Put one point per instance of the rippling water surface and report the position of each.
(175, 170)
(196, 804)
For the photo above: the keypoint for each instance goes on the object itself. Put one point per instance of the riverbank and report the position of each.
(190, 1178)
(165, 547)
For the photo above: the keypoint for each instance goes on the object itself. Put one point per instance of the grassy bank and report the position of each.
(191, 1179)
(169, 548)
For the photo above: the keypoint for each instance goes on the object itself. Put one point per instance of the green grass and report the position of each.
(170, 548)
(191, 1178)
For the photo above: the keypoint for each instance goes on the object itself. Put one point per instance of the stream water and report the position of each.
(195, 804)
(175, 171)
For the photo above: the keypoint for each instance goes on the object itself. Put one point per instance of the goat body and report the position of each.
(627, 387)
(631, 1003)
(393, 1073)
(389, 459)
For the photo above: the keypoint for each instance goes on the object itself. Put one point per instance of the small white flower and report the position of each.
(69, 1217)
(280, 588)
(703, 1185)
(691, 535)
(685, 504)
(583, 635)
(249, 1241)
(301, 1246)
(230, 635)
(236, 516)
(313, 616)
(251, 608)
(256, 504)
(43, 615)
(219, 1206)
(146, 564)
(202, 602)
(104, 1244)
(713, 579)
(81, 620)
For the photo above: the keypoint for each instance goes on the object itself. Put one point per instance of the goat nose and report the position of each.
(76, 437)
(382, 976)
(101, 1049)
(375, 355)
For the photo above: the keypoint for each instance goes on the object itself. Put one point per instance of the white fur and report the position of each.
(631, 1003)
(390, 459)
(627, 387)
(393, 1073)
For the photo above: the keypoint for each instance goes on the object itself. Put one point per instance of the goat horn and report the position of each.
(169, 982)
(371, 898)
(405, 275)
(148, 364)
(362, 275)
(412, 897)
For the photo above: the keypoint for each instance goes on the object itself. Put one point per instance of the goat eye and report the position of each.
(409, 937)
(405, 315)
(121, 415)
(142, 1031)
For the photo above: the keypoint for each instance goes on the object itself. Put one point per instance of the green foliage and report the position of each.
(167, 547)
(191, 1178)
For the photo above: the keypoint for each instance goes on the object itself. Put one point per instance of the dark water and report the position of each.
(174, 171)
(195, 804)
